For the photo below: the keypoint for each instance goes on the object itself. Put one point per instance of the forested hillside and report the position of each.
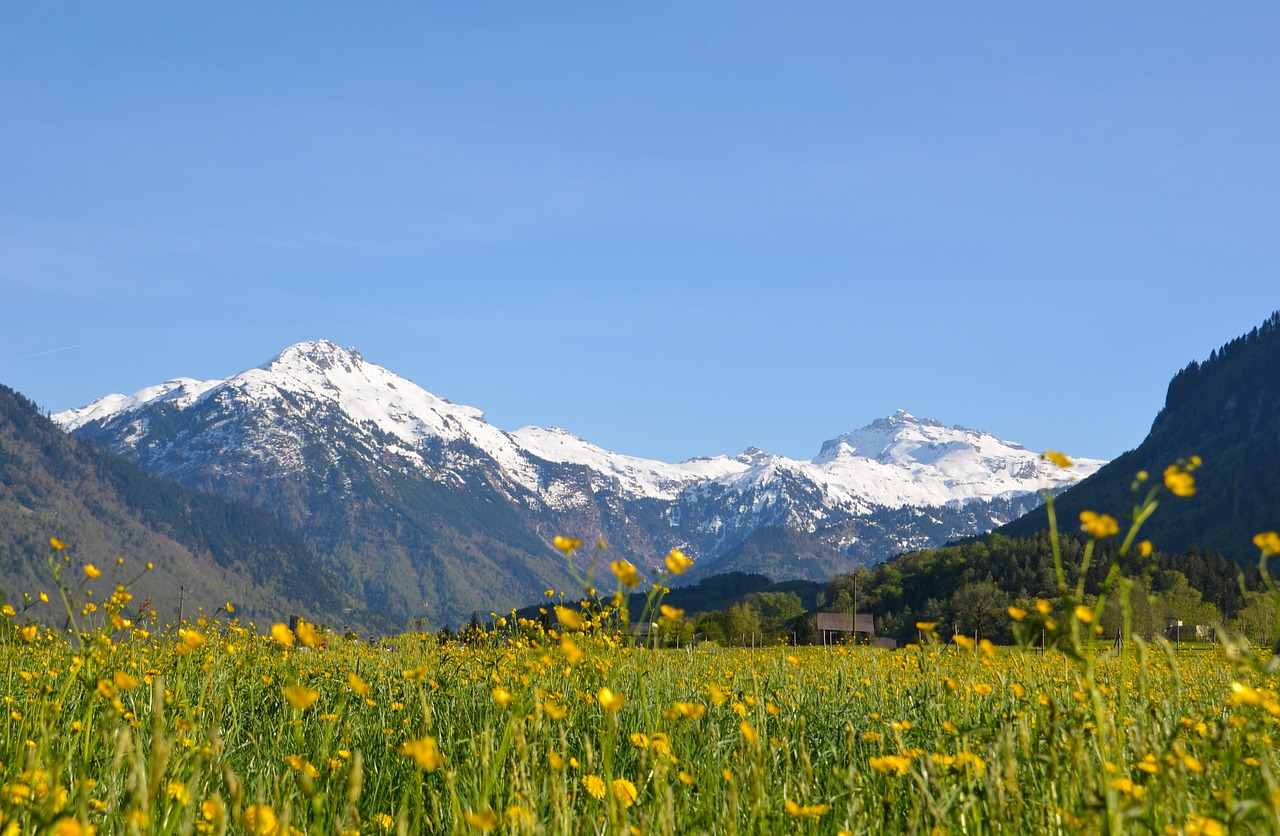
(968, 588)
(206, 550)
(1225, 410)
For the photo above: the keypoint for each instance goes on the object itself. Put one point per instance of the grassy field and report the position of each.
(223, 730)
(119, 725)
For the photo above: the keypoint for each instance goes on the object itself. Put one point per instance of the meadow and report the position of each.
(123, 725)
(223, 730)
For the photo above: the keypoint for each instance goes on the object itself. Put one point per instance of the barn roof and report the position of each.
(843, 622)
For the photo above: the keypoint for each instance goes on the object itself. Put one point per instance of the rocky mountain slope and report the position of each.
(416, 499)
(206, 550)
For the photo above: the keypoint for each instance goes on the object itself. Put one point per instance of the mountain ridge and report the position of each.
(362, 462)
(206, 548)
(650, 477)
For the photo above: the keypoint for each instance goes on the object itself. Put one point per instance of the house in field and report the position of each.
(835, 627)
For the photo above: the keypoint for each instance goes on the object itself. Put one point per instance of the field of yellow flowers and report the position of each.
(219, 727)
(214, 728)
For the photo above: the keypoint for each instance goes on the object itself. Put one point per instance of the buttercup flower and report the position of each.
(1179, 481)
(300, 696)
(806, 811)
(609, 700)
(677, 563)
(626, 572)
(424, 752)
(1057, 458)
(566, 544)
(1268, 541)
(1097, 525)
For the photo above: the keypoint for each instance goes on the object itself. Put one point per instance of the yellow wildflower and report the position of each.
(212, 808)
(1017, 613)
(569, 619)
(566, 544)
(571, 651)
(424, 752)
(626, 572)
(1268, 542)
(92, 571)
(1179, 481)
(260, 820)
(300, 696)
(282, 634)
(677, 563)
(595, 786)
(891, 764)
(671, 613)
(178, 791)
(358, 685)
(57, 544)
(1128, 787)
(689, 710)
(1098, 526)
(1084, 614)
(624, 791)
(307, 634)
(609, 700)
(1205, 826)
(1057, 458)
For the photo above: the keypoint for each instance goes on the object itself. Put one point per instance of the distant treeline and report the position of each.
(968, 588)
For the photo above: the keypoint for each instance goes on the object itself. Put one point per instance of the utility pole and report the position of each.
(854, 634)
(182, 598)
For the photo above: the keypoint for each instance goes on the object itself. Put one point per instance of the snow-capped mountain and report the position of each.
(418, 498)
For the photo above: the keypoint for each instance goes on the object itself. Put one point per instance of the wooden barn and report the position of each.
(834, 627)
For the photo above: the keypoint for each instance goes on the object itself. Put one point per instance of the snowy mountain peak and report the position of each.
(901, 417)
(181, 392)
(279, 407)
(902, 436)
(754, 456)
(320, 354)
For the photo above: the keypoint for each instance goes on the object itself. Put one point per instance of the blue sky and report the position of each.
(674, 229)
